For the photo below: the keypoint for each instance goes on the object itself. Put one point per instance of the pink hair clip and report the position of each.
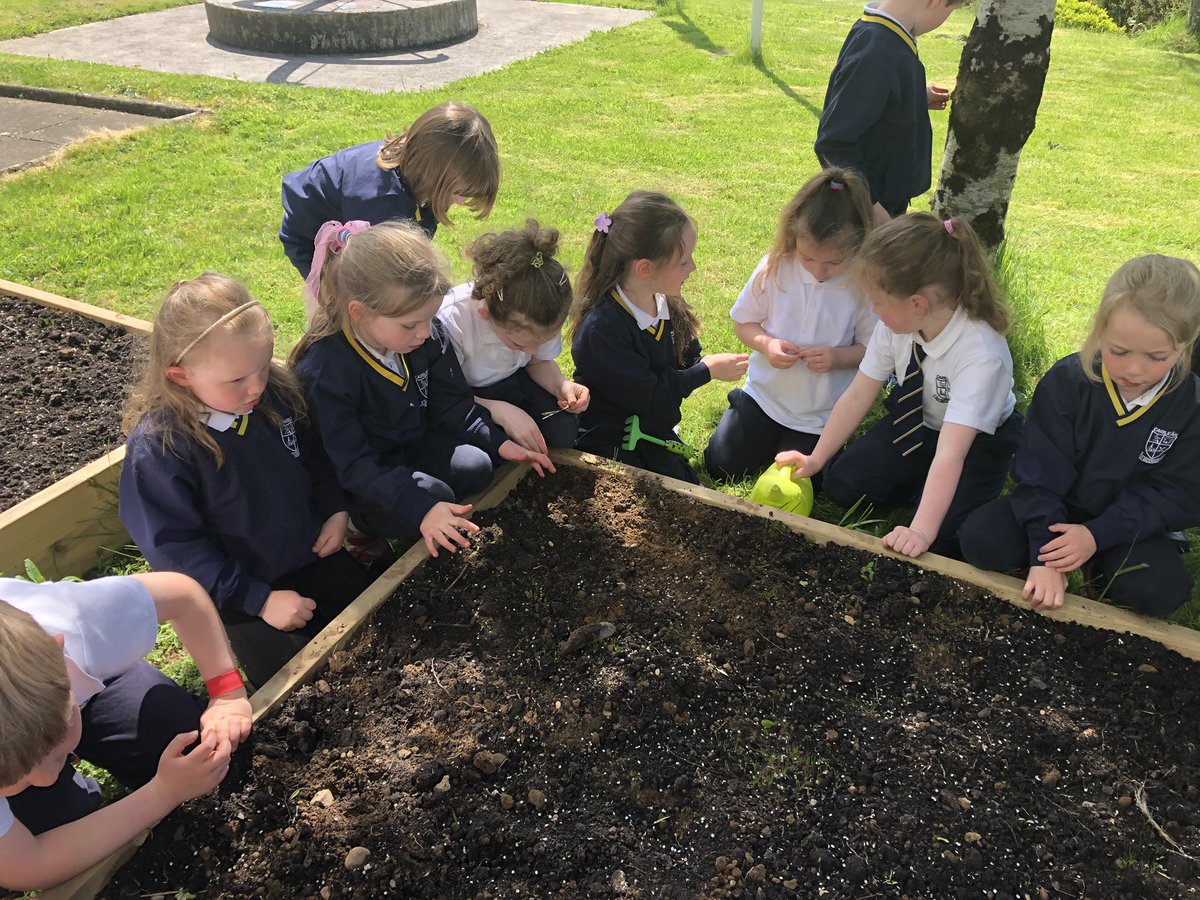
(836, 186)
(949, 226)
(602, 222)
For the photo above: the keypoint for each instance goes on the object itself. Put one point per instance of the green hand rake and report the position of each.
(633, 434)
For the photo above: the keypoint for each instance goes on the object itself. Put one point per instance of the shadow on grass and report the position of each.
(689, 32)
(786, 88)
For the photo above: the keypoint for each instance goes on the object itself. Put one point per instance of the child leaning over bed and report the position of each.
(506, 327)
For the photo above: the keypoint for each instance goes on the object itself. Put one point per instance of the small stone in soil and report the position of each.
(1050, 779)
(506, 801)
(537, 798)
(357, 858)
(323, 797)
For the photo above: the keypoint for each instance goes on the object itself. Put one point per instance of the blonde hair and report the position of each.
(647, 225)
(183, 327)
(833, 206)
(518, 278)
(391, 268)
(34, 693)
(918, 251)
(448, 150)
(1164, 291)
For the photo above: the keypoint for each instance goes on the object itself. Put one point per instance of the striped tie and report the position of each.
(905, 404)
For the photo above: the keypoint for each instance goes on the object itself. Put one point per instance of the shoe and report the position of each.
(373, 553)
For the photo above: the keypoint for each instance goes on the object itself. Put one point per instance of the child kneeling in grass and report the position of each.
(72, 678)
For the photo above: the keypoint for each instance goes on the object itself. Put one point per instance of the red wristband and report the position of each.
(225, 683)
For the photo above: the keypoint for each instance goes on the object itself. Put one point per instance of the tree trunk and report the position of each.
(1194, 17)
(1000, 81)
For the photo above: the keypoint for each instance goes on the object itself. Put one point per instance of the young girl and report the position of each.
(448, 155)
(950, 428)
(223, 482)
(385, 389)
(506, 328)
(806, 323)
(635, 340)
(1109, 463)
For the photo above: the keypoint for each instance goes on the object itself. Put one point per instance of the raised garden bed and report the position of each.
(770, 717)
(64, 369)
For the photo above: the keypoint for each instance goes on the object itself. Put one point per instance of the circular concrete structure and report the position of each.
(339, 28)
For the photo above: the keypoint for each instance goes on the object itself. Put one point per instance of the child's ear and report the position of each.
(355, 309)
(644, 268)
(179, 375)
(483, 312)
(60, 640)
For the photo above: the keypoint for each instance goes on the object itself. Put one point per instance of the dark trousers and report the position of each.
(645, 455)
(126, 727)
(332, 582)
(520, 390)
(1158, 584)
(443, 467)
(747, 439)
(873, 468)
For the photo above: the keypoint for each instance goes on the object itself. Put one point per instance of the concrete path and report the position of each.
(31, 129)
(176, 40)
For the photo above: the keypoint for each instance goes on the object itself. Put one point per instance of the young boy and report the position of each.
(72, 677)
(876, 115)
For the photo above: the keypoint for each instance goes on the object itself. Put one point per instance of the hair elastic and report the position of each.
(331, 239)
(562, 281)
(237, 310)
(836, 186)
(948, 224)
(602, 222)
(537, 260)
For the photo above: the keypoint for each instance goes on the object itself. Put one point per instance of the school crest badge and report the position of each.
(423, 385)
(1157, 445)
(941, 389)
(287, 431)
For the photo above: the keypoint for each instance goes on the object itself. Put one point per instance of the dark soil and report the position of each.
(62, 382)
(770, 718)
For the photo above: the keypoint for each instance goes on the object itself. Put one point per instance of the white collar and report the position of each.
(946, 337)
(872, 9)
(644, 319)
(218, 420)
(1147, 396)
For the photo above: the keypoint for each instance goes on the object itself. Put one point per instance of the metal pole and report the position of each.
(756, 29)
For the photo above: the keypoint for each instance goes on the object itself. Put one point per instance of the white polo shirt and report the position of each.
(968, 372)
(483, 356)
(107, 626)
(796, 307)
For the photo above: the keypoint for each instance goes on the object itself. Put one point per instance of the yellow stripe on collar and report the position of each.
(370, 360)
(1124, 416)
(240, 426)
(656, 329)
(889, 24)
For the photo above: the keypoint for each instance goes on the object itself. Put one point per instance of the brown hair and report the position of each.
(647, 225)
(833, 207)
(34, 693)
(188, 311)
(391, 268)
(918, 251)
(1165, 292)
(448, 150)
(518, 278)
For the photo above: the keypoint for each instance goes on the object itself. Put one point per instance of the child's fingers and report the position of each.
(179, 743)
(431, 546)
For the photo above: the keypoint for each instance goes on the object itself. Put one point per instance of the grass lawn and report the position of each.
(673, 103)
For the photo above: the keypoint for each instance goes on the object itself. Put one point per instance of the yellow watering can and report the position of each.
(775, 487)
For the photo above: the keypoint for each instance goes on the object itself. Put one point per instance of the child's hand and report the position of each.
(818, 359)
(183, 776)
(573, 396)
(726, 366)
(906, 540)
(1045, 588)
(444, 523)
(782, 354)
(514, 452)
(1074, 546)
(228, 718)
(881, 214)
(802, 466)
(287, 610)
(333, 534)
(519, 426)
(936, 97)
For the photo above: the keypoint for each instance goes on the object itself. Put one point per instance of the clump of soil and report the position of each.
(765, 718)
(62, 383)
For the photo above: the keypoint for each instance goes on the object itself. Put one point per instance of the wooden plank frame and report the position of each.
(309, 662)
(64, 527)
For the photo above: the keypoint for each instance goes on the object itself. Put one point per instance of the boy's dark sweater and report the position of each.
(1077, 464)
(876, 115)
(629, 371)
